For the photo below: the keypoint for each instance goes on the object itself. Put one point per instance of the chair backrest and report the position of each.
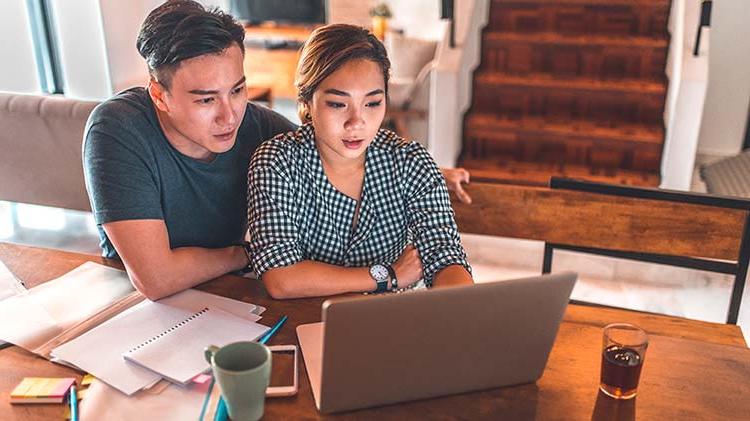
(590, 219)
(40, 140)
(669, 227)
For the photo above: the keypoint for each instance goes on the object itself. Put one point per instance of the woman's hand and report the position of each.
(408, 267)
(454, 177)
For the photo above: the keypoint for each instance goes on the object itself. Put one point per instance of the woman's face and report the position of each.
(347, 110)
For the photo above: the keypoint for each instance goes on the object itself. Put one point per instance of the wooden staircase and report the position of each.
(571, 88)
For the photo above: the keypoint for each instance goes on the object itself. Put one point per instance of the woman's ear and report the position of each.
(156, 92)
(303, 112)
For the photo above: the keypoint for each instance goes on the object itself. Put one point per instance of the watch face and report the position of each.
(379, 272)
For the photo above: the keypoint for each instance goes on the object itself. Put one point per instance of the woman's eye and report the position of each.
(375, 103)
(334, 104)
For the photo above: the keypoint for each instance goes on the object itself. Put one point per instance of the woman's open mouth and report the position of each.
(353, 143)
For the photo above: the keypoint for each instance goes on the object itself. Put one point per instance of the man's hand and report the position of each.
(454, 177)
(408, 267)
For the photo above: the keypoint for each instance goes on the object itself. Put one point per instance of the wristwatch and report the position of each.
(381, 274)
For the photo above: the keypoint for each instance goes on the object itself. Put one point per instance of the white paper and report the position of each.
(99, 351)
(178, 354)
(104, 402)
(9, 285)
(30, 320)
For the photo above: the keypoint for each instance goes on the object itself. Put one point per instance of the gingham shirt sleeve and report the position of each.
(274, 234)
(431, 218)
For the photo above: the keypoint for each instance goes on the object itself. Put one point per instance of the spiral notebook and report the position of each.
(177, 353)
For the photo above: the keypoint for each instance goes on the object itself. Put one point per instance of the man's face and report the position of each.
(203, 109)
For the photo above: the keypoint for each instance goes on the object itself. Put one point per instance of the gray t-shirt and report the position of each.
(133, 172)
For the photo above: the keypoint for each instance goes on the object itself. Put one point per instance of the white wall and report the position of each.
(688, 77)
(451, 88)
(725, 112)
(417, 18)
(121, 22)
(18, 70)
(83, 54)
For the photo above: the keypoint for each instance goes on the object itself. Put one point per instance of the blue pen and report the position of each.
(273, 330)
(221, 408)
(73, 401)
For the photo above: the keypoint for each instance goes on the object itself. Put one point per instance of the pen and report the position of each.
(221, 409)
(273, 330)
(73, 400)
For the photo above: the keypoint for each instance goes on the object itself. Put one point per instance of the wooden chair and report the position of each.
(668, 227)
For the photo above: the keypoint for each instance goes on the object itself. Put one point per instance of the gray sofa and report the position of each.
(40, 150)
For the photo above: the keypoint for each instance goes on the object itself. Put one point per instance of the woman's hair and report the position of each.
(328, 48)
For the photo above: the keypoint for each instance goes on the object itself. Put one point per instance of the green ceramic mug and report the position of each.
(242, 370)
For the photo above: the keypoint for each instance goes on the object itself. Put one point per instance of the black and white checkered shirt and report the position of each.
(296, 214)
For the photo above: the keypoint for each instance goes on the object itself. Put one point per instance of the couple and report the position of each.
(333, 206)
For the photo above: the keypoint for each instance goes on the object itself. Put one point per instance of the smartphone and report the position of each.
(284, 371)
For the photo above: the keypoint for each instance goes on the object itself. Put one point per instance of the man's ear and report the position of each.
(157, 92)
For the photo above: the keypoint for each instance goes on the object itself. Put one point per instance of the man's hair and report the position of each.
(328, 48)
(182, 29)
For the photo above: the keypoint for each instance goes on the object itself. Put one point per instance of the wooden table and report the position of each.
(673, 385)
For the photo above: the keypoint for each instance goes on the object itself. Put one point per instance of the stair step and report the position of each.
(583, 56)
(486, 124)
(529, 173)
(629, 147)
(612, 17)
(639, 3)
(544, 81)
(578, 40)
(544, 96)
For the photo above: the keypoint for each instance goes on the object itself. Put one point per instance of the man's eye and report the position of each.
(375, 103)
(334, 104)
(205, 101)
(238, 89)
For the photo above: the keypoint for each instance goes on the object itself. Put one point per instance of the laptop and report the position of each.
(377, 350)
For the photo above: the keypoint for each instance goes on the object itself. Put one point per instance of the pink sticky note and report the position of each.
(201, 378)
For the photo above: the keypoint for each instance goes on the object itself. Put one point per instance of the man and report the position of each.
(166, 166)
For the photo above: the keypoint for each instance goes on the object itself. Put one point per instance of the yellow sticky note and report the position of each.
(87, 380)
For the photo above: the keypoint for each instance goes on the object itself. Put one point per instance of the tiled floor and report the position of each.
(648, 287)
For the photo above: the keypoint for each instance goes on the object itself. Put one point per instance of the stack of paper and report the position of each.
(31, 319)
(100, 351)
(91, 316)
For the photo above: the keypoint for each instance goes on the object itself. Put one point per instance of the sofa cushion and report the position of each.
(40, 140)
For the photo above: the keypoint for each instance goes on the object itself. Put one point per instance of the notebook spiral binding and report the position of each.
(171, 329)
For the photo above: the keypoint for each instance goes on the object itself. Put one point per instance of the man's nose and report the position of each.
(226, 115)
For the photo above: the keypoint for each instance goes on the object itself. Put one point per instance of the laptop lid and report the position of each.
(390, 348)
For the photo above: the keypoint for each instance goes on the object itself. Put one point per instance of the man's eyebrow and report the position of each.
(214, 92)
(342, 93)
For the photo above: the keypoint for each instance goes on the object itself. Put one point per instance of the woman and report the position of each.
(340, 205)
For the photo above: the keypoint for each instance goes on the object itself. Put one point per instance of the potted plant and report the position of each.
(380, 15)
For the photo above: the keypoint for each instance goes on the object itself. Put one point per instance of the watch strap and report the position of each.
(392, 274)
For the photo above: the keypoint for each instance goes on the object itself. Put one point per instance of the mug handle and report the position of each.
(209, 351)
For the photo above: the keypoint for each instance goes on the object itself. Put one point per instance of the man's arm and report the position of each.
(156, 270)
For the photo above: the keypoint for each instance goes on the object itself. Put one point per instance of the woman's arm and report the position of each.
(314, 279)
(452, 275)
(431, 219)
